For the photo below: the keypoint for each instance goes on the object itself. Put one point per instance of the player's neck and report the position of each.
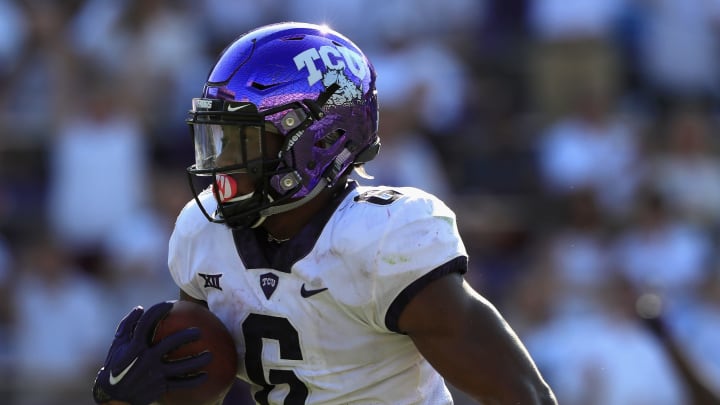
(285, 225)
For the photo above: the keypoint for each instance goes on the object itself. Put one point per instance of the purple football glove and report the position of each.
(135, 371)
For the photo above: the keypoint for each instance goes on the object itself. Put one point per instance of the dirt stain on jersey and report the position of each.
(395, 259)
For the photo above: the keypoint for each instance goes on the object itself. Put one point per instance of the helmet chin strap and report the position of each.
(330, 173)
(277, 209)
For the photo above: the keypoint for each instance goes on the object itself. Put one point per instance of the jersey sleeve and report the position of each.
(410, 242)
(181, 247)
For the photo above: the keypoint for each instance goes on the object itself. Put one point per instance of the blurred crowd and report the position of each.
(578, 142)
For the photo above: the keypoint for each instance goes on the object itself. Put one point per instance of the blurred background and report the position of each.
(578, 142)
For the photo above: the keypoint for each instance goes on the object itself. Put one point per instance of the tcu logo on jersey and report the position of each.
(268, 283)
(333, 58)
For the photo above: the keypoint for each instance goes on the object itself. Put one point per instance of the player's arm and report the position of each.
(467, 340)
(187, 297)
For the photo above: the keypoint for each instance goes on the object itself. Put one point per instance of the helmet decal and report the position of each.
(348, 92)
(332, 58)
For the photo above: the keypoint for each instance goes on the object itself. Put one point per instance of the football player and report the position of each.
(335, 293)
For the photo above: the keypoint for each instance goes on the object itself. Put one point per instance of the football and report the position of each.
(215, 338)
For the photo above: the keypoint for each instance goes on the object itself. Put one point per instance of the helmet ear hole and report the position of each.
(330, 138)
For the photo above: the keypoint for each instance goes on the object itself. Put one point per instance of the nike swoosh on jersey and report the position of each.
(116, 379)
(309, 293)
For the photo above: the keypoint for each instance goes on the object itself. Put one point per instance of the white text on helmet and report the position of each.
(332, 58)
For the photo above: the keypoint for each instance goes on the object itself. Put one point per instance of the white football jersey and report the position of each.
(315, 318)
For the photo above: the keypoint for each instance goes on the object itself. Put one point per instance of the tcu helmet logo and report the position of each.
(333, 58)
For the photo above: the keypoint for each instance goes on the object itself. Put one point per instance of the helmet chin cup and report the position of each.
(242, 214)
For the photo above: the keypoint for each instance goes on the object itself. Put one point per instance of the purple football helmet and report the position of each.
(306, 85)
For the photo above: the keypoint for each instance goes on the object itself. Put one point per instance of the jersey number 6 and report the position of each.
(255, 328)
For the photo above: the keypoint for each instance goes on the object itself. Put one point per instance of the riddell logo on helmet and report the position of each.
(335, 58)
